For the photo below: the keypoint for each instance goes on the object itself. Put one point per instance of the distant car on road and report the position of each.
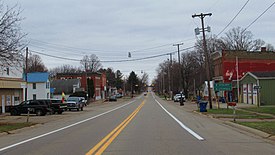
(75, 103)
(177, 97)
(118, 95)
(113, 98)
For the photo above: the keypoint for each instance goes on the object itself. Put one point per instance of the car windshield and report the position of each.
(74, 99)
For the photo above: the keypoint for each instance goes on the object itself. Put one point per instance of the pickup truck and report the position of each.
(58, 106)
(75, 103)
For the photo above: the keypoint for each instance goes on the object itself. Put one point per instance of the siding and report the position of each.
(267, 92)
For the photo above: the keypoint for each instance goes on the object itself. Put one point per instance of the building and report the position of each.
(231, 66)
(12, 86)
(38, 85)
(258, 88)
(99, 80)
(67, 86)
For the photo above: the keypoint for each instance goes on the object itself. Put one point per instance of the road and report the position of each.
(145, 125)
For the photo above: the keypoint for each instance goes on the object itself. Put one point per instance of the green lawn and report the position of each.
(5, 127)
(228, 113)
(268, 127)
(268, 110)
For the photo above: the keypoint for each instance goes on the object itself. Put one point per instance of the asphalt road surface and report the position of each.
(144, 125)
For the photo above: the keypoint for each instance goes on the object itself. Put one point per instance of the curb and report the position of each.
(248, 129)
(241, 127)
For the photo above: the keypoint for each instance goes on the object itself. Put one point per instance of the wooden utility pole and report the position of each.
(26, 74)
(201, 16)
(182, 85)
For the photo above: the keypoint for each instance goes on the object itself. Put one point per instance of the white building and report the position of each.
(11, 85)
(38, 85)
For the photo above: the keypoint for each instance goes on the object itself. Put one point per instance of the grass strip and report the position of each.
(6, 127)
(268, 127)
(267, 110)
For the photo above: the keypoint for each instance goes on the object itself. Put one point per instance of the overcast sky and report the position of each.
(112, 28)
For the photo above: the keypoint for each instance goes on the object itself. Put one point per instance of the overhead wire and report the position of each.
(113, 61)
(259, 16)
(233, 18)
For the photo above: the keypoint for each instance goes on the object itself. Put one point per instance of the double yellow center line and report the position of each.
(106, 141)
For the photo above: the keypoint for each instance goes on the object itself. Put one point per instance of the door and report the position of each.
(3, 104)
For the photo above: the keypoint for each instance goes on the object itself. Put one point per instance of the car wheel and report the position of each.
(70, 109)
(59, 112)
(39, 112)
(14, 112)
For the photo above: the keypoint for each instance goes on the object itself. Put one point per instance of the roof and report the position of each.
(261, 75)
(264, 75)
(65, 86)
(38, 77)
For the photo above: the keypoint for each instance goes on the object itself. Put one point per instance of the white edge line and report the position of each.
(63, 128)
(180, 123)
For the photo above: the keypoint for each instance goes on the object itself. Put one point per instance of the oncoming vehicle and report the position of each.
(75, 103)
(177, 97)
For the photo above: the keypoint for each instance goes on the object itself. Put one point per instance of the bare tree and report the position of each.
(240, 39)
(91, 63)
(66, 68)
(35, 64)
(11, 37)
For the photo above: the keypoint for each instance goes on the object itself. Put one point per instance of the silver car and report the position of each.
(75, 103)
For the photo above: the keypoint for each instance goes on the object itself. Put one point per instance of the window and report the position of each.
(8, 71)
(47, 85)
(34, 96)
(48, 95)
(34, 86)
(16, 100)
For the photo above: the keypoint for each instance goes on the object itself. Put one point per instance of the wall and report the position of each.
(267, 92)
(40, 91)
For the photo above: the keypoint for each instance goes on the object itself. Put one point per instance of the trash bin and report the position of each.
(203, 106)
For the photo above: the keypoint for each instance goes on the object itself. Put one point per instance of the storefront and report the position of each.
(12, 93)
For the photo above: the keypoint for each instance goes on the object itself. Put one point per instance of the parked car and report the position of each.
(58, 106)
(177, 97)
(113, 98)
(38, 107)
(75, 103)
(118, 95)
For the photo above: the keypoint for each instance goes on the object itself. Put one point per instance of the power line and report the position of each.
(114, 61)
(233, 18)
(259, 16)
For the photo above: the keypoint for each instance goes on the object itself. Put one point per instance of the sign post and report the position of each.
(222, 87)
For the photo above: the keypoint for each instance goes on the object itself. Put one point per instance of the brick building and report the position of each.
(99, 80)
(228, 63)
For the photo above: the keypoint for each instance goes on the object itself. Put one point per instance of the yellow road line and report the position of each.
(114, 133)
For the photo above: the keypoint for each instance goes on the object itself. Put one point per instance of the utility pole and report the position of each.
(169, 75)
(26, 74)
(182, 85)
(201, 16)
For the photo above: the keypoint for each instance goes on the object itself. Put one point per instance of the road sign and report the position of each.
(257, 87)
(223, 86)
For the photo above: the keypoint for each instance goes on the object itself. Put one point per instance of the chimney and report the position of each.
(263, 49)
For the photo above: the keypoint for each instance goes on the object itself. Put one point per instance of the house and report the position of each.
(38, 85)
(258, 88)
(12, 86)
(68, 86)
(99, 81)
(231, 66)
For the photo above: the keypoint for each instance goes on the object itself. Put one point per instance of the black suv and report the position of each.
(38, 107)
